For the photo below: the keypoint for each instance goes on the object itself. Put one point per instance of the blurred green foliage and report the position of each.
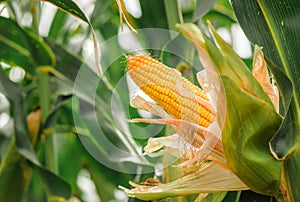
(63, 132)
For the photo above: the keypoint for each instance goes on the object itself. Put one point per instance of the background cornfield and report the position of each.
(65, 95)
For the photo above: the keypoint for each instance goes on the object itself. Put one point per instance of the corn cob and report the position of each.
(165, 85)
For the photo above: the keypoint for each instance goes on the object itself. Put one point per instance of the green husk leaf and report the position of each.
(245, 140)
(235, 68)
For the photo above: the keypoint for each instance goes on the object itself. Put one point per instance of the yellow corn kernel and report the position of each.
(167, 87)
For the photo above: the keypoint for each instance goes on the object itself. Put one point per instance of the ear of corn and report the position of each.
(165, 85)
(251, 119)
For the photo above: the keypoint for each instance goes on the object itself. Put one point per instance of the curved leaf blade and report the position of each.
(55, 185)
(70, 7)
(273, 26)
(15, 94)
(23, 49)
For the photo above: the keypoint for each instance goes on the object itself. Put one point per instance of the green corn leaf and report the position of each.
(203, 6)
(173, 13)
(72, 8)
(15, 94)
(69, 7)
(221, 15)
(57, 25)
(16, 173)
(274, 26)
(21, 48)
(94, 92)
(23, 149)
(55, 186)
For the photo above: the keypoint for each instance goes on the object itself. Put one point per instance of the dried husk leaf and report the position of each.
(211, 178)
(260, 72)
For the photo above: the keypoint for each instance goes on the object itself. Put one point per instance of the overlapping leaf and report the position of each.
(275, 27)
(55, 185)
(23, 49)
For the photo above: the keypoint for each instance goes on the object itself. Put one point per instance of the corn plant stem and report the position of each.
(10, 156)
(44, 95)
(11, 11)
(34, 14)
(292, 167)
(174, 15)
(238, 195)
